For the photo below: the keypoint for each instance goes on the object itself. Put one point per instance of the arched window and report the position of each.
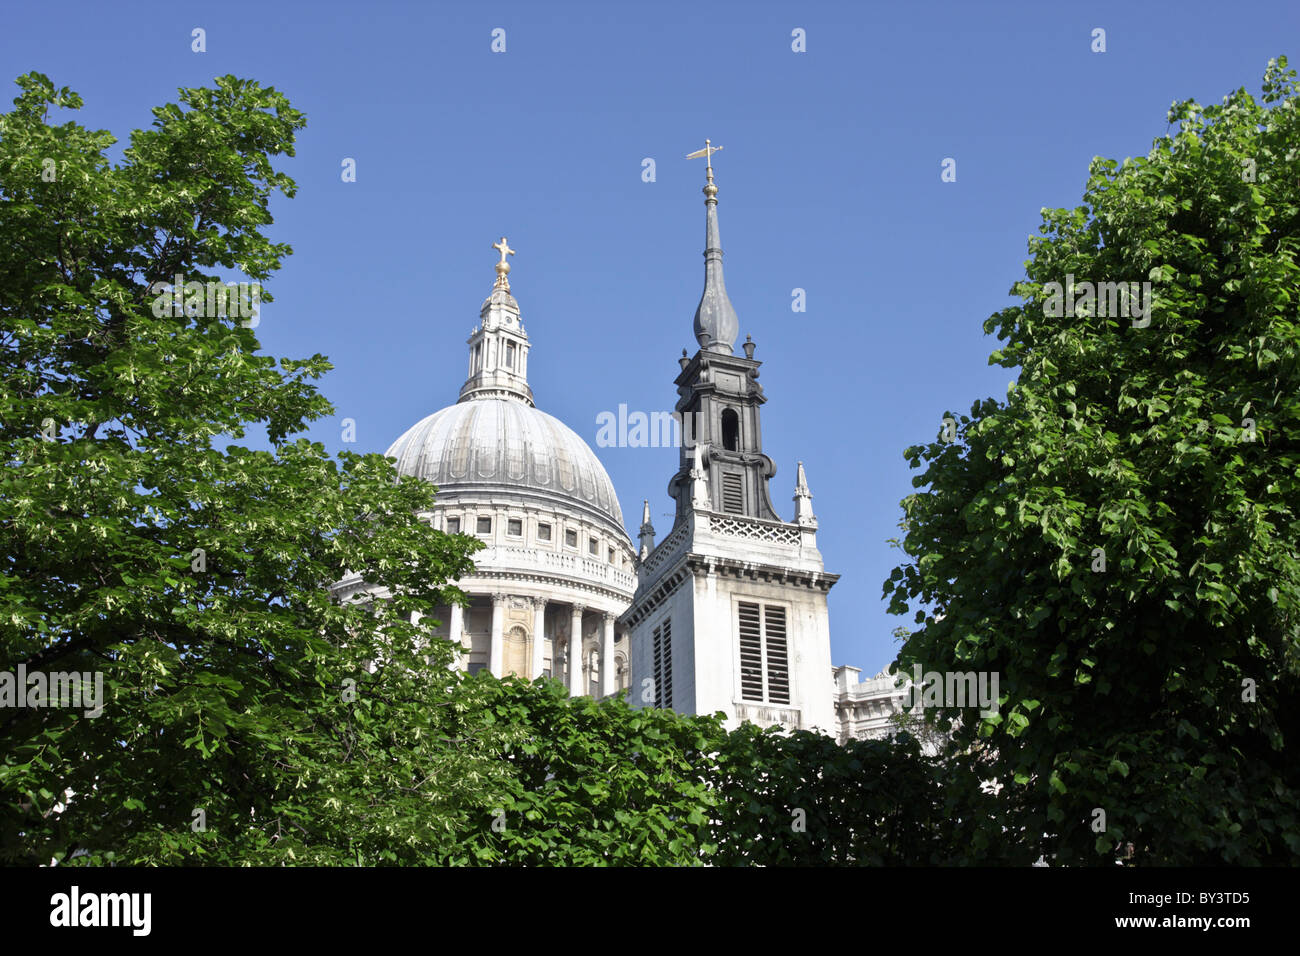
(730, 430)
(621, 675)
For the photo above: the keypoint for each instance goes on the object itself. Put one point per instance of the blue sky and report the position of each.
(829, 182)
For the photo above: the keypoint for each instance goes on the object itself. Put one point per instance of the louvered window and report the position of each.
(751, 653)
(778, 667)
(764, 656)
(663, 664)
(733, 495)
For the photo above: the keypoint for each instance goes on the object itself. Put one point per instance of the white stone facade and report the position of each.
(866, 708)
(696, 581)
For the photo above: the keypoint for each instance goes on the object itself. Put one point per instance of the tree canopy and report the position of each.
(192, 580)
(1117, 539)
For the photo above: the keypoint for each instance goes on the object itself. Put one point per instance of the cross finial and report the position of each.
(707, 152)
(503, 267)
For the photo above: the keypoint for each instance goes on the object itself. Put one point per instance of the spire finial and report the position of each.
(716, 324)
(707, 152)
(503, 267)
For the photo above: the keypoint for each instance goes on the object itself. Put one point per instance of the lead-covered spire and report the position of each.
(716, 325)
(498, 347)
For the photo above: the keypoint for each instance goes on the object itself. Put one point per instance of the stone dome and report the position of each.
(504, 445)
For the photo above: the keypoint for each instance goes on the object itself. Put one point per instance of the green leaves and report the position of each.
(194, 581)
(1129, 441)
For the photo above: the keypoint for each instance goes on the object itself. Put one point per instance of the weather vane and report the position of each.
(707, 152)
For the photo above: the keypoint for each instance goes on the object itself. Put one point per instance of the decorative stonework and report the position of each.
(752, 528)
(667, 548)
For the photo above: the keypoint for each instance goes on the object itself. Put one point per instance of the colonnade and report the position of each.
(574, 670)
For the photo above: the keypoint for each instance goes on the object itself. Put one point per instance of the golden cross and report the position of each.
(504, 248)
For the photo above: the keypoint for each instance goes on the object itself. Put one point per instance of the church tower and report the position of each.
(730, 609)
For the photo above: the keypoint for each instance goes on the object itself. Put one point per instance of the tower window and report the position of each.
(764, 657)
(662, 661)
(730, 430)
(733, 494)
(453, 526)
(484, 525)
(543, 532)
(510, 355)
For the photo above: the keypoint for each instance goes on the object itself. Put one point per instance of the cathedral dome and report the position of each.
(501, 444)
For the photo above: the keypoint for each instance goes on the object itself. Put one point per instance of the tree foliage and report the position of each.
(1118, 538)
(191, 579)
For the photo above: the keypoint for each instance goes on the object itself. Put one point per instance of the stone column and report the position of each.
(496, 654)
(457, 626)
(539, 638)
(607, 656)
(575, 652)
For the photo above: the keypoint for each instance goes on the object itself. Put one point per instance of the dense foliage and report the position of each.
(1118, 538)
(190, 579)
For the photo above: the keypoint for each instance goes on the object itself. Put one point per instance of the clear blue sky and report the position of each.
(829, 182)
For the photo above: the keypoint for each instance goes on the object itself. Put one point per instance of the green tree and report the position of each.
(1118, 538)
(247, 718)
(591, 782)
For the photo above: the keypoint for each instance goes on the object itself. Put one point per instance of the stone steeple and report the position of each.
(719, 392)
(730, 610)
(498, 347)
(716, 324)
